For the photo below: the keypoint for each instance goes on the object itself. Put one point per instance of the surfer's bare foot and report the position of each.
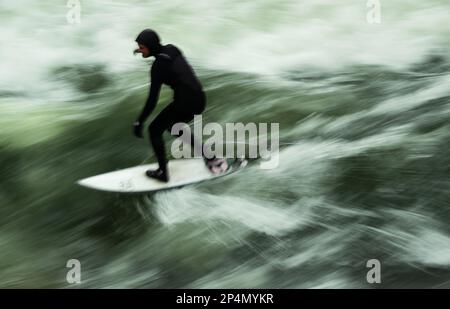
(158, 174)
(217, 165)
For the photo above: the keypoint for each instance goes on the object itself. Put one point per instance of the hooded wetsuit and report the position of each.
(170, 68)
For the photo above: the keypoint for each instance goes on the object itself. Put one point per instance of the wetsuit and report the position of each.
(170, 68)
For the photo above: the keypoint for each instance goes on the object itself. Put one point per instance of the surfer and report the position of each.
(171, 68)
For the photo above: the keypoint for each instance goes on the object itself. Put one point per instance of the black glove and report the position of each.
(137, 129)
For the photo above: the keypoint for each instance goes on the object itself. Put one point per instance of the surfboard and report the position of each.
(134, 180)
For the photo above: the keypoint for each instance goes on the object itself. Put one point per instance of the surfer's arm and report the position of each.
(153, 95)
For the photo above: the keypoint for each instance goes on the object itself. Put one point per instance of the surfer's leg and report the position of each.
(156, 130)
(185, 112)
(186, 108)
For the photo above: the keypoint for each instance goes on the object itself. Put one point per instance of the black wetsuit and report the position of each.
(170, 68)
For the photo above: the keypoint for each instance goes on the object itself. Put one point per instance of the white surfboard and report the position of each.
(134, 180)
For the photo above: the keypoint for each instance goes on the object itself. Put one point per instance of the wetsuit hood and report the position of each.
(150, 39)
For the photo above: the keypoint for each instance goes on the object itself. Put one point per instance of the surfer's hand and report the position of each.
(137, 129)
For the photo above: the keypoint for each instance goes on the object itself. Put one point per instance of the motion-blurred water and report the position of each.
(364, 169)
